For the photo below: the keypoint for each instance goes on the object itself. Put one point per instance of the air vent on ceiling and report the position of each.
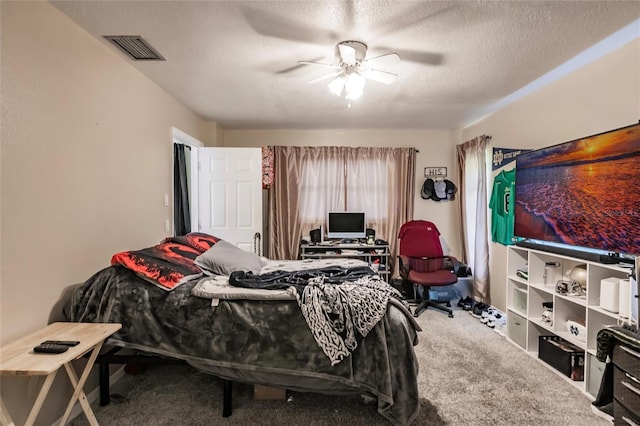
(136, 47)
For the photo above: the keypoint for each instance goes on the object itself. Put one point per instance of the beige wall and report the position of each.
(86, 161)
(436, 148)
(601, 96)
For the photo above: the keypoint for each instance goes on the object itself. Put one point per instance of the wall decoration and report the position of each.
(435, 172)
(267, 167)
(504, 156)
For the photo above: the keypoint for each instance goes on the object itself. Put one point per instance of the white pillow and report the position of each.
(224, 258)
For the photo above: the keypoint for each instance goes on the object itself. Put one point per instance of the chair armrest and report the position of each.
(404, 259)
(403, 266)
(455, 264)
(424, 263)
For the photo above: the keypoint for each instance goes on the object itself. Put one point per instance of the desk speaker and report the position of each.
(316, 235)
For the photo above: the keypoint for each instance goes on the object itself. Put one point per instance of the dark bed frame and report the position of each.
(112, 357)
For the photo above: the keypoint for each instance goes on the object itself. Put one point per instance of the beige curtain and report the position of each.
(472, 178)
(388, 209)
(311, 181)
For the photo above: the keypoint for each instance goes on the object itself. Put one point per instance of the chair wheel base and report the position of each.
(428, 303)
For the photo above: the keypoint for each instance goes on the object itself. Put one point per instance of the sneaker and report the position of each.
(497, 319)
(464, 302)
(487, 314)
(478, 308)
(468, 304)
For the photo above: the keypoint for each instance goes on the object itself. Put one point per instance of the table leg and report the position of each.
(44, 390)
(78, 394)
(5, 418)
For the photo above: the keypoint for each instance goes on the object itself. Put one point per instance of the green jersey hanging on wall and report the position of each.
(502, 205)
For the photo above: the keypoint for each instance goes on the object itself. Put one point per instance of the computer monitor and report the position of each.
(346, 225)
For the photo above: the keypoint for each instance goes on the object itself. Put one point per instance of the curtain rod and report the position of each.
(486, 136)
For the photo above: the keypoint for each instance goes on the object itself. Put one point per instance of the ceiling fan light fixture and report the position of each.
(337, 85)
(354, 86)
(353, 70)
(353, 95)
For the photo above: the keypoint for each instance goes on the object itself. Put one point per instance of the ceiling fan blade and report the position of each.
(382, 61)
(324, 64)
(426, 58)
(325, 77)
(379, 76)
(348, 54)
(271, 25)
(431, 13)
(295, 67)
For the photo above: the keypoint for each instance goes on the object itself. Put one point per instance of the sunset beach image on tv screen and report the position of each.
(583, 193)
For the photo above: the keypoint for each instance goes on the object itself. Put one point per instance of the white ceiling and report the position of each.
(235, 62)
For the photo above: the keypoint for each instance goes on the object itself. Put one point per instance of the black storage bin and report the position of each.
(404, 287)
(398, 285)
(565, 357)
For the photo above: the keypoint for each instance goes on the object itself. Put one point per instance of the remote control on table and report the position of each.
(50, 348)
(61, 342)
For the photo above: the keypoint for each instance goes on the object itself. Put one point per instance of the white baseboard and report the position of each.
(92, 396)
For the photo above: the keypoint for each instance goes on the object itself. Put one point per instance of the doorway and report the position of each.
(192, 146)
(221, 188)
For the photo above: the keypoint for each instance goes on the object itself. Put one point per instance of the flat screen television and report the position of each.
(635, 294)
(346, 225)
(583, 193)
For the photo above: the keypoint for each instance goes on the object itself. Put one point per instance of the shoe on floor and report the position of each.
(497, 319)
(478, 308)
(487, 314)
(468, 304)
(467, 301)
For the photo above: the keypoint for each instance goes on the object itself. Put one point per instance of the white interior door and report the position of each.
(230, 194)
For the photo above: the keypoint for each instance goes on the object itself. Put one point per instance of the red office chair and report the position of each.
(422, 262)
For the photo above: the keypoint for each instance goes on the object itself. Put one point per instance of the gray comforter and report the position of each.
(254, 341)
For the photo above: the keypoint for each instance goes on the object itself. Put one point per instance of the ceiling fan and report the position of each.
(352, 68)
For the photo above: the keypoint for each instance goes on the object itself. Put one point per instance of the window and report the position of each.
(340, 185)
(311, 181)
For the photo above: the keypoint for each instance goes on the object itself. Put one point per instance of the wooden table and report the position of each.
(18, 359)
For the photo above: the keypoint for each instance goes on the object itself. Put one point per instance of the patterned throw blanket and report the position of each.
(340, 305)
(336, 312)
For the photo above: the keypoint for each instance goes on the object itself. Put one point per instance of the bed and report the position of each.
(262, 324)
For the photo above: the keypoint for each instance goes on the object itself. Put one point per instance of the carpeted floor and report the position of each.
(469, 375)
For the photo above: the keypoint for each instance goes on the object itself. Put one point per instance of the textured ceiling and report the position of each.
(236, 62)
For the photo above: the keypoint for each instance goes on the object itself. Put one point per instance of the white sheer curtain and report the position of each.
(472, 169)
(322, 188)
(354, 179)
(368, 186)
